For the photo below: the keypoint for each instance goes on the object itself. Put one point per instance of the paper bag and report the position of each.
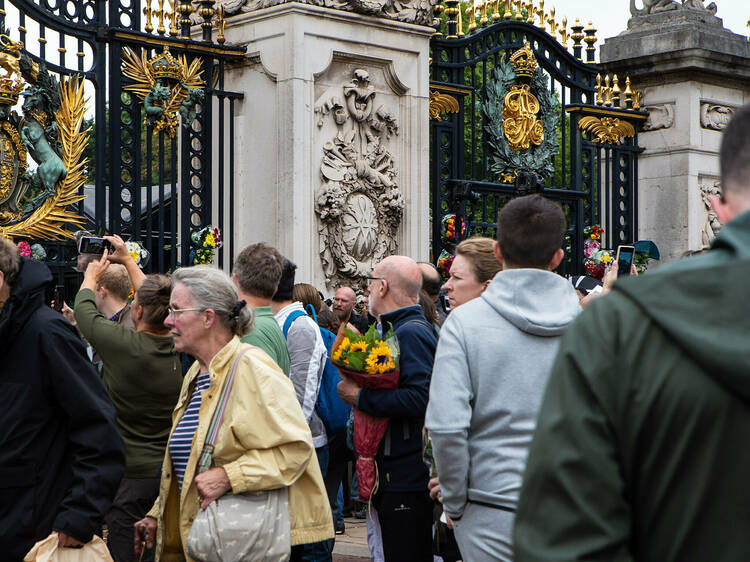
(47, 550)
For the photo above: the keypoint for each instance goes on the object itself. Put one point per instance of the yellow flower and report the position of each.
(606, 258)
(136, 255)
(359, 346)
(342, 347)
(336, 355)
(593, 236)
(209, 240)
(380, 360)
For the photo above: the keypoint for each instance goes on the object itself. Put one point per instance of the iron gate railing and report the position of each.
(150, 187)
(594, 174)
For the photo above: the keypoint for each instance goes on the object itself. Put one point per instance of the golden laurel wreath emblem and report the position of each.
(36, 203)
(166, 85)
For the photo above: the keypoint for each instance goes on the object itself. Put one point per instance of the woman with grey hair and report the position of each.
(263, 448)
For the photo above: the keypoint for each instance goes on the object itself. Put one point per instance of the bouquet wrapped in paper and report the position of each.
(373, 362)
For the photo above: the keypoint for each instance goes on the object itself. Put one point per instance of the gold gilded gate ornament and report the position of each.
(35, 202)
(166, 85)
(521, 107)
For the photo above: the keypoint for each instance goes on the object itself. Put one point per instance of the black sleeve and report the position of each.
(97, 450)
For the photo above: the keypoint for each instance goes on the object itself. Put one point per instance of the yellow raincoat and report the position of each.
(264, 443)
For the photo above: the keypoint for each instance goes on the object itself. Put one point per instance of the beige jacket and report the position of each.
(264, 443)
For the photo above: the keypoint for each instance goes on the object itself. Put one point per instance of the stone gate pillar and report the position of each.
(332, 137)
(694, 74)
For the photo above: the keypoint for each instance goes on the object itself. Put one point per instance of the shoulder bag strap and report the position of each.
(207, 455)
(292, 316)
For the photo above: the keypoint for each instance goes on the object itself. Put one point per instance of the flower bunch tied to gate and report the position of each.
(203, 245)
(596, 259)
(453, 228)
(372, 361)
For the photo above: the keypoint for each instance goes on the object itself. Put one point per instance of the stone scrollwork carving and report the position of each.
(660, 116)
(715, 117)
(359, 203)
(712, 226)
(410, 11)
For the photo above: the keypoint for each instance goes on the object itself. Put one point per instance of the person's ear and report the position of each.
(498, 253)
(724, 211)
(2, 280)
(138, 313)
(210, 318)
(556, 259)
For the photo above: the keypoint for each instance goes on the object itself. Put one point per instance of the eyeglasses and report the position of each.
(173, 312)
(373, 277)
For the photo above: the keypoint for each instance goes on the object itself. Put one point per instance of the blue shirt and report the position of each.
(181, 441)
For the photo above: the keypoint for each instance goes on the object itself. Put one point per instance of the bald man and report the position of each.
(402, 501)
(343, 306)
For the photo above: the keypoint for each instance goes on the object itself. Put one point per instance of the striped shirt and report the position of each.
(182, 438)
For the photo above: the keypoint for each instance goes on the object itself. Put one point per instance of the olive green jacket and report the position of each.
(642, 446)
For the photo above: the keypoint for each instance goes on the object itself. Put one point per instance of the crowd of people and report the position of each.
(201, 417)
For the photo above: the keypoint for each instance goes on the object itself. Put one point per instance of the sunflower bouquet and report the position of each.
(372, 361)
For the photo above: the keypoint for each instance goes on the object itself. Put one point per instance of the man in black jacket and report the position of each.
(401, 500)
(61, 456)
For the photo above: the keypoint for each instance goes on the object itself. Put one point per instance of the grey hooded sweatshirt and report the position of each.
(491, 368)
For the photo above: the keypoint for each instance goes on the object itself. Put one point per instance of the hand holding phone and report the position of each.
(625, 255)
(93, 245)
(59, 298)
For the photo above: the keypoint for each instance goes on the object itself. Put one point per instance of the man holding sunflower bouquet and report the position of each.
(400, 497)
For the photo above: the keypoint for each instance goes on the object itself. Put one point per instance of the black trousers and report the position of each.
(338, 459)
(406, 525)
(135, 497)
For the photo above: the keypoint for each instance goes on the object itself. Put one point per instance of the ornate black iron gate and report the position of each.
(513, 111)
(153, 181)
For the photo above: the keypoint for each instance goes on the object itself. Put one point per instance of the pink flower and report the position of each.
(24, 249)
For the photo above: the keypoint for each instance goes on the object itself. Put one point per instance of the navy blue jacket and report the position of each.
(400, 463)
(61, 456)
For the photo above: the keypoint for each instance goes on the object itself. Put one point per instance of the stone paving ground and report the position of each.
(352, 545)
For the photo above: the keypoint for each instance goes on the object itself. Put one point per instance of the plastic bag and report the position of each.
(48, 550)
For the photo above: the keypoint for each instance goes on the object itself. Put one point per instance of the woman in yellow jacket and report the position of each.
(263, 444)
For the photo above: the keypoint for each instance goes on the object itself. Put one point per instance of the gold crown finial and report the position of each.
(524, 61)
(10, 90)
(165, 66)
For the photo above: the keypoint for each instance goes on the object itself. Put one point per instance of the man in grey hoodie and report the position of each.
(491, 367)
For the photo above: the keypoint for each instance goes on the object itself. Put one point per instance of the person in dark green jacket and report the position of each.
(256, 275)
(143, 376)
(641, 450)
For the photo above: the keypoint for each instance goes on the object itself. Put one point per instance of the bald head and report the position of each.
(403, 276)
(431, 281)
(343, 302)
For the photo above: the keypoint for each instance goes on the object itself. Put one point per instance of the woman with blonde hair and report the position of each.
(255, 487)
(474, 266)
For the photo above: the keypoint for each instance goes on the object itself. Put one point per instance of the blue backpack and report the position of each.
(333, 412)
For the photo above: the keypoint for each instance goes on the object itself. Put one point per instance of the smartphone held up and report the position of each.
(625, 255)
(93, 245)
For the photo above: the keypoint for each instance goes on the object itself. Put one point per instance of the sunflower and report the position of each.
(360, 345)
(342, 347)
(380, 359)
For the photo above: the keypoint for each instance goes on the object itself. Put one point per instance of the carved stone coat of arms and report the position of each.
(359, 203)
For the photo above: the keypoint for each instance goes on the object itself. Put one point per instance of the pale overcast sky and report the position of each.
(610, 17)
